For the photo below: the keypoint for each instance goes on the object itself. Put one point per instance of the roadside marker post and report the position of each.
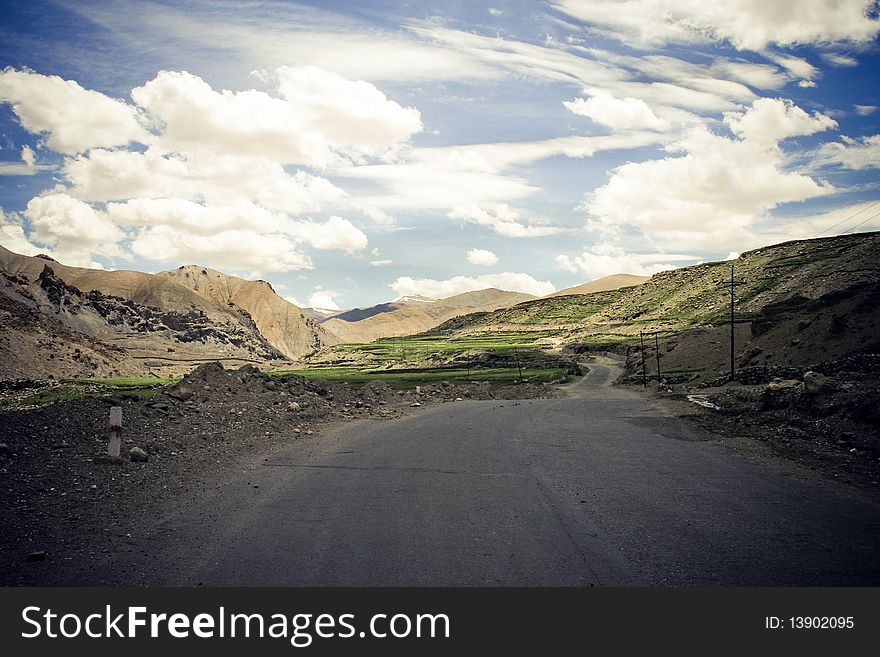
(644, 366)
(657, 353)
(114, 432)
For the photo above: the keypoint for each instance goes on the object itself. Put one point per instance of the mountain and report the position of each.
(72, 321)
(604, 284)
(410, 315)
(795, 302)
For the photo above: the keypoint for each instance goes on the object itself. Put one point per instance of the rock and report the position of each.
(780, 385)
(5, 451)
(37, 556)
(414, 404)
(816, 383)
(138, 455)
(292, 407)
(182, 391)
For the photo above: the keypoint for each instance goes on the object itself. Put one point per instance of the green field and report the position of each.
(408, 380)
(417, 348)
(130, 387)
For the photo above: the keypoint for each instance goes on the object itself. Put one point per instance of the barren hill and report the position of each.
(73, 321)
(406, 317)
(604, 284)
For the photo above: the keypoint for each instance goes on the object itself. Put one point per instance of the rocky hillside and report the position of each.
(414, 315)
(67, 321)
(796, 303)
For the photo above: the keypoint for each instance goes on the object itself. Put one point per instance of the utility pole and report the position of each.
(644, 366)
(657, 353)
(732, 339)
(518, 367)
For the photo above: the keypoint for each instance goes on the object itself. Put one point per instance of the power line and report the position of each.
(863, 222)
(852, 216)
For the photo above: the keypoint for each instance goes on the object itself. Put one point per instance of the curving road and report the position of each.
(597, 489)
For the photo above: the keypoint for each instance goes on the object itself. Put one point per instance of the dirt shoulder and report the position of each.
(66, 508)
(785, 435)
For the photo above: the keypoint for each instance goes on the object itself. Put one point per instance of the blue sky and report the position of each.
(351, 153)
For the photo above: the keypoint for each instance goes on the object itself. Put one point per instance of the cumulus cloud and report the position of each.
(620, 114)
(317, 117)
(865, 110)
(335, 233)
(713, 194)
(747, 24)
(482, 258)
(214, 181)
(13, 238)
(440, 289)
(861, 153)
(502, 219)
(227, 249)
(73, 230)
(770, 120)
(607, 259)
(70, 118)
(324, 299)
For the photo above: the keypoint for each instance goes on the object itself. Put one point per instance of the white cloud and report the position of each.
(861, 153)
(797, 66)
(482, 258)
(292, 299)
(13, 238)
(865, 110)
(335, 233)
(747, 24)
(607, 259)
(380, 263)
(434, 289)
(27, 167)
(317, 117)
(324, 299)
(837, 59)
(770, 120)
(713, 194)
(75, 232)
(228, 249)
(103, 175)
(620, 114)
(502, 219)
(28, 156)
(212, 183)
(16, 169)
(72, 119)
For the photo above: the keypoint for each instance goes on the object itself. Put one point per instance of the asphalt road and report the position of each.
(598, 489)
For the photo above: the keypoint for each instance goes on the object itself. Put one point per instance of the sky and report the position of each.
(355, 152)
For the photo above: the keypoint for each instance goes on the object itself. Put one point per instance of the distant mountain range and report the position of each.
(410, 315)
(416, 314)
(72, 321)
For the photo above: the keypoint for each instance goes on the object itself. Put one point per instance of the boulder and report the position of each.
(138, 455)
(182, 391)
(816, 383)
